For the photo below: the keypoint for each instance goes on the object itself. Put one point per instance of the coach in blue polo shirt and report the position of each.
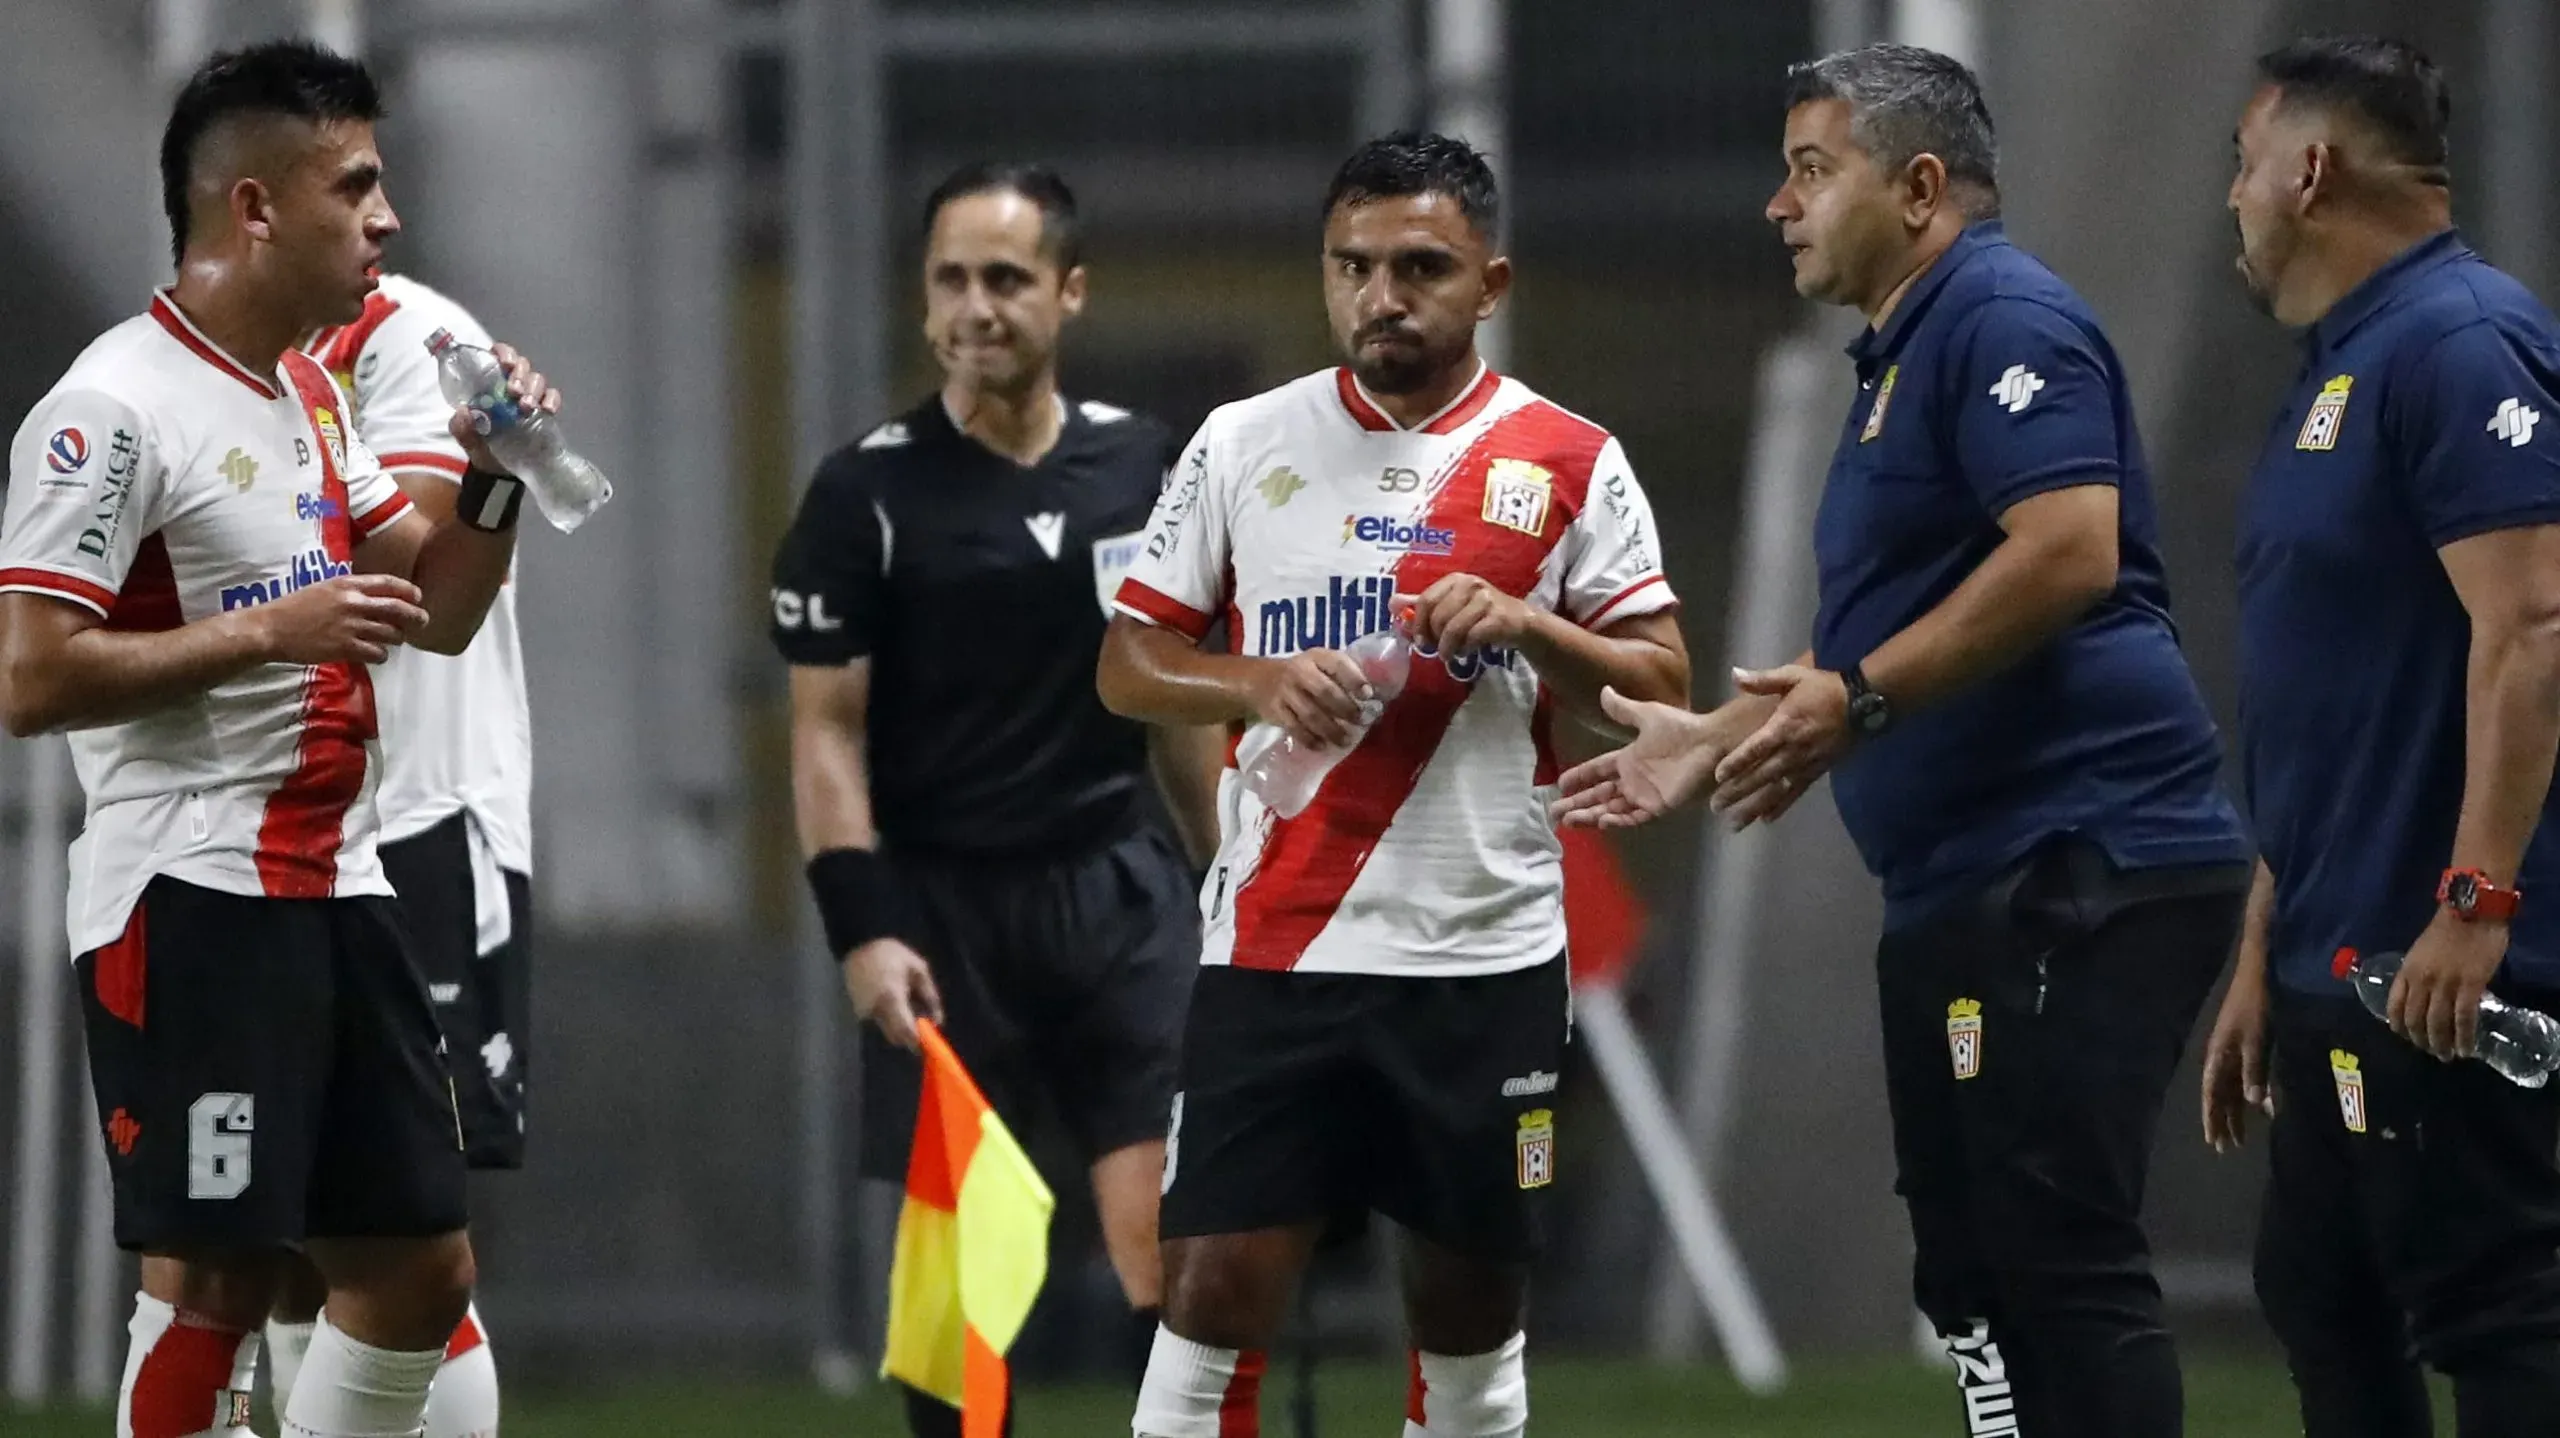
(2014, 741)
(2400, 711)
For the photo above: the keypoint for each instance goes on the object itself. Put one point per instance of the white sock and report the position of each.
(464, 1401)
(185, 1376)
(355, 1390)
(286, 1343)
(1477, 1395)
(1194, 1391)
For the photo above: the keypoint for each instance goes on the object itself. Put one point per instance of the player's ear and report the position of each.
(252, 207)
(1071, 292)
(1497, 286)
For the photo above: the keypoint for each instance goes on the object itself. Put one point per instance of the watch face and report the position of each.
(1870, 713)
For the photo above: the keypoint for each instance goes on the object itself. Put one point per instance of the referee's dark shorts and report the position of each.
(2030, 1034)
(1064, 982)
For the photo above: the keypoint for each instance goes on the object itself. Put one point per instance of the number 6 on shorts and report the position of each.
(218, 1129)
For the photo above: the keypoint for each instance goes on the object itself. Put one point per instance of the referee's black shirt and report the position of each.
(978, 588)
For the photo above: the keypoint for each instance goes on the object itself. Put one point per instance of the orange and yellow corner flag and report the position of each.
(973, 1247)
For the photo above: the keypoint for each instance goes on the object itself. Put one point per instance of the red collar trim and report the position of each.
(184, 331)
(1366, 413)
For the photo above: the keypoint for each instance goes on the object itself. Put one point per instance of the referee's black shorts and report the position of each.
(1064, 983)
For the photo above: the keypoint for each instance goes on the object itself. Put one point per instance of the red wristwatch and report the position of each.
(2473, 899)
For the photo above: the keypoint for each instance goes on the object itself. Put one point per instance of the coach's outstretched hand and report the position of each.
(891, 986)
(1669, 762)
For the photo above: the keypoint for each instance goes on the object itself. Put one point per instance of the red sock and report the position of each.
(185, 1375)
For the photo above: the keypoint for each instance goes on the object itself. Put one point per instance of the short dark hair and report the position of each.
(292, 78)
(1410, 162)
(1905, 102)
(2390, 85)
(1061, 227)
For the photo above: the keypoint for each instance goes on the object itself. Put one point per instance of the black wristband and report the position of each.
(489, 500)
(856, 900)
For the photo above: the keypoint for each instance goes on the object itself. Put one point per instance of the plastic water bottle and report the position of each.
(565, 486)
(2520, 1043)
(1285, 774)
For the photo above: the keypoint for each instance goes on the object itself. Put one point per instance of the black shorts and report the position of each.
(2406, 1196)
(483, 1001)
(268, 1070)
(1308, 1097)
(1063, 987)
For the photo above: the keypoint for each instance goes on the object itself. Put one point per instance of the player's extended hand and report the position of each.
(1461, 614)
(1794, 746)
(1315, 695)
(1668, 763)
(2235, 1067)
(353, 619)
(891, 986)
(525, 385)
(2435, 1003)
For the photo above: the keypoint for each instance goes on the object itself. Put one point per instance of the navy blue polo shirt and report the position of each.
(2424, 415)
(1988, 384)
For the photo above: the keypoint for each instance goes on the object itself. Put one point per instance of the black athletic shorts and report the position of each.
(1306, 1097)
(483, 1001)
(268, 1070)
(1063, 986)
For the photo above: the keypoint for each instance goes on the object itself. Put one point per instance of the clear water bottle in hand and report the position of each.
(2522, 1044)
(1285, 774)
(527, 442)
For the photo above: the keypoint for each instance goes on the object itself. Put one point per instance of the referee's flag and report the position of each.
(973, 1247)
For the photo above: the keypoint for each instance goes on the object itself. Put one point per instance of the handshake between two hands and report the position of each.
(1752, 757)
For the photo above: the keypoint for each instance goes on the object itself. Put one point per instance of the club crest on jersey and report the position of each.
(1884, 397)
(1537, 1145)
(67, 451)
(1516, 495)
(2348, 1072)
(2328, 414)
(1964, 1037)
(330, 438)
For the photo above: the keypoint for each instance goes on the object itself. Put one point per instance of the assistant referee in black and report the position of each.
(981, 842)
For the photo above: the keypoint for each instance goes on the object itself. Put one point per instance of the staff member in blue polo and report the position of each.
(2400, 712)
(2014, 741)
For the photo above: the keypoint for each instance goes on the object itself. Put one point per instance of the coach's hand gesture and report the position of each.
(1766, 773)
(1315, 696)
(353, 619)
(891, 986)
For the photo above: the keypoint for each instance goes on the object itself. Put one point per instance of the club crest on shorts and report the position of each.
(1537, 1142)
(1516, 495)
(2349, 1073)
(2328, 414)
(1884, 396)
(1964, 1037)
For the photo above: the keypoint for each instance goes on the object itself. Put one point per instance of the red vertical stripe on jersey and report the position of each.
(1240, 1409)
(119, 973)
(306, 817)
(340, 349)
(1309, 863)
(148, 603)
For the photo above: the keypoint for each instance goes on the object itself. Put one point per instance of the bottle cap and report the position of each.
(439, 342)
(2343, 963)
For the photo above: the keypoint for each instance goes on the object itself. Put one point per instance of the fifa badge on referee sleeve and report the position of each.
(2328, 413)
(1537, 1148)
(1964, 1037)
(2350, 1076)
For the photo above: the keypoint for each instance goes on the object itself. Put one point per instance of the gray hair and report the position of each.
(1905, 102)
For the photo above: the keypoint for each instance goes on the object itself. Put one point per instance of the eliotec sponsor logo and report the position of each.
(310, 567)
(1402, 536)
(1346, 611)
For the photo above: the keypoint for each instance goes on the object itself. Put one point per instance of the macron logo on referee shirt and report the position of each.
(2514, 422)
(2017, 388)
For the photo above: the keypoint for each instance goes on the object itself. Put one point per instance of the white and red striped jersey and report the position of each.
(457, 736)
(160, 483)
(1296, 514)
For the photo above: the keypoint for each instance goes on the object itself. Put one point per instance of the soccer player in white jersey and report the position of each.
(199, 563)
(456, 814)
(1384, 1009)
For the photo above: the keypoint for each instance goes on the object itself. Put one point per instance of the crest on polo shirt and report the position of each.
(2349, 1074)
(1964, 1037)
(1884, 397)
(2328, 414)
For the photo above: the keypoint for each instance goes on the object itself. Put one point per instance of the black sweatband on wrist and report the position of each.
(857, 901)
(489, 500)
